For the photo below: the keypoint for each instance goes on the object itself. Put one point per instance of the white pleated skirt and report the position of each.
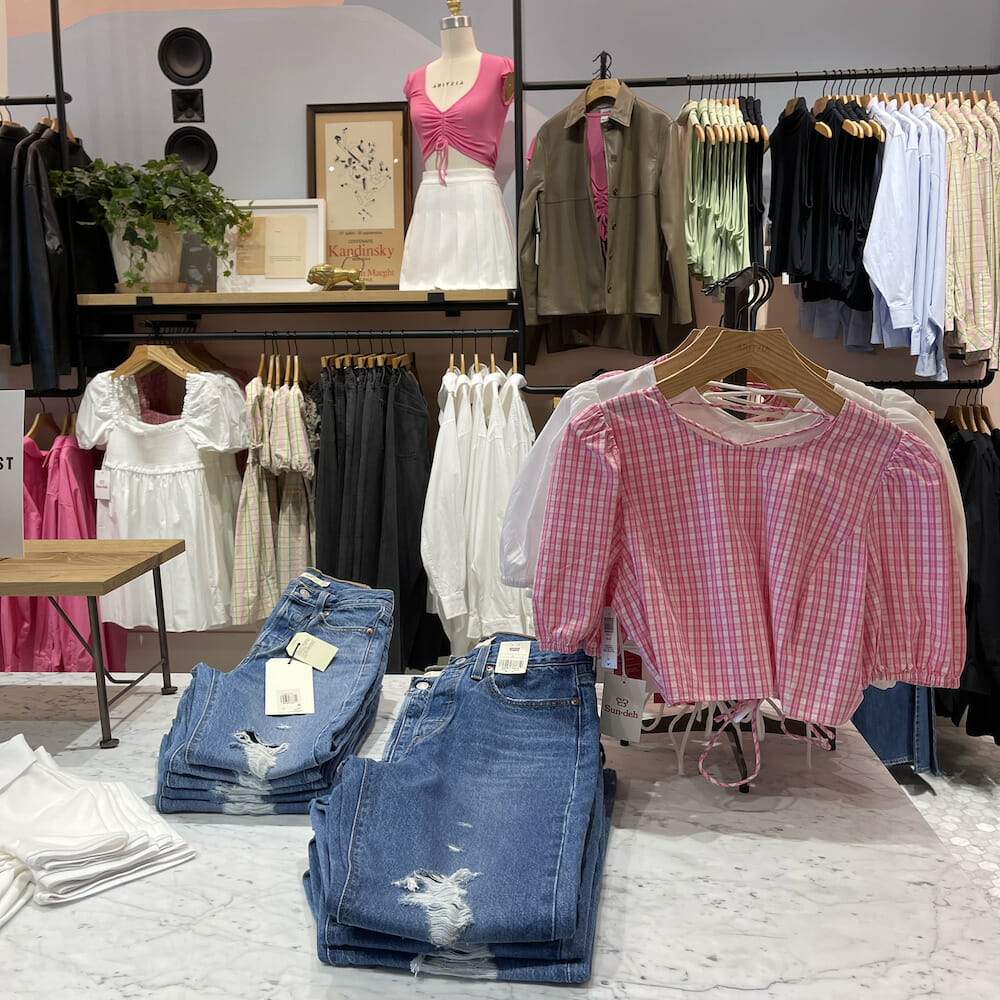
(460, 235)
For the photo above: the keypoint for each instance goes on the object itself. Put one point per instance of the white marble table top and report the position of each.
(820, 884)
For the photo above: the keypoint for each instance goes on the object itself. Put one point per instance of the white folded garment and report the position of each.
(70, 837)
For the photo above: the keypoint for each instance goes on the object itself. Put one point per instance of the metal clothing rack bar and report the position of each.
(175, 335)
(913, 384)
(43, 99)
(816, 76)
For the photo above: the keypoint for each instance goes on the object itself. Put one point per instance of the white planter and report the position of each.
(162, 267)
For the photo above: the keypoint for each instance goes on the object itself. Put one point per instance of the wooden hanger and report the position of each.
(768, 352)
(43, 429)
(957, 417)
(260, 367)
(68, 425)
(295, 376)
(203, 357)
(603, 90)
(145, 357)
(514, 363)
(823, 129)
(288, 370)
(987, 418)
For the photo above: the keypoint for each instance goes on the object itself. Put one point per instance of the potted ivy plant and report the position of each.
(147, 210)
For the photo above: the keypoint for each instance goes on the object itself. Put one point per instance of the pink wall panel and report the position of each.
(28, 17)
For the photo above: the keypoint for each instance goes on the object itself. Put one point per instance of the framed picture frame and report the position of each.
(288, 238)
(358, 158)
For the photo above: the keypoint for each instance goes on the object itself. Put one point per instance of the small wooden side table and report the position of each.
(92, 568)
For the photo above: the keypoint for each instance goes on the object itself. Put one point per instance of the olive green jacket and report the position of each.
(562, 266)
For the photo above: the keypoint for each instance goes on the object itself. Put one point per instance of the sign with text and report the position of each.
(11, 473)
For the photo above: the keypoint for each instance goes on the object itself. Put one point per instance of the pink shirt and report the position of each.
(473, 124)
(17, 614)
(752, 561)
(70, 511)
(598, 171)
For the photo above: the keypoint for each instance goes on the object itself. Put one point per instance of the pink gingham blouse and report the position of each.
(799, 560)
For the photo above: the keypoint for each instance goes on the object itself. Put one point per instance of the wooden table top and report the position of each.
(87, 567)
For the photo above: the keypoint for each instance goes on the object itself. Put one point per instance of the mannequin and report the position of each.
(460, 235)
(453, 75)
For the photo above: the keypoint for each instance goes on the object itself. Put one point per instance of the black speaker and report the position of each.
(185, 56)
(188, 105)
(195, 147)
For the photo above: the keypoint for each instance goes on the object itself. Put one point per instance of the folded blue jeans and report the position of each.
(485, 805)
(221, 733)
(557, 961)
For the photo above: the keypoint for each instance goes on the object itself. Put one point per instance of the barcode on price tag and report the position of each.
(288, 687)
(609, 639)
(513, 657)
(289, 699)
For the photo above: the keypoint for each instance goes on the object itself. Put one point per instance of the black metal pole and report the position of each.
(520, 340)
(16, 102)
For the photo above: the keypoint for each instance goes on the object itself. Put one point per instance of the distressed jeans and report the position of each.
(475, 846)
(223, 753)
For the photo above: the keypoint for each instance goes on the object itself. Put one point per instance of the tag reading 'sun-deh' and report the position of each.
(622, 702)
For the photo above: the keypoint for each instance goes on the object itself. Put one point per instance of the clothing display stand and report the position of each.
(522, 86)
(60, 99)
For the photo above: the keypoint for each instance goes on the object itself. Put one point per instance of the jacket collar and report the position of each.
(621, 112)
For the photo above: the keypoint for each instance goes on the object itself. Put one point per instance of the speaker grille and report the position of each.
(195, 147)
(185, 56)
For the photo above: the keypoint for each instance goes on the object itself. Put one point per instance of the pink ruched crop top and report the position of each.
(473, 124)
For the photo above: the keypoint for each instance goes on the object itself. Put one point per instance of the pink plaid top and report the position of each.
(799, 559)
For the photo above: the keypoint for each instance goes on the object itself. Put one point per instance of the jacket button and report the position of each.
(615, 191)
(614, 225)
(609, 288)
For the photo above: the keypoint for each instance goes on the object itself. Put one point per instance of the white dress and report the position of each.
(172, 480)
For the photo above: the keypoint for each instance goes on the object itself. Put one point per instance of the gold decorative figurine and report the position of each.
(327, 275)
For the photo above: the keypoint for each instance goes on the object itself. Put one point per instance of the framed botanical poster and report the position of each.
(287, 239)
(359, 163)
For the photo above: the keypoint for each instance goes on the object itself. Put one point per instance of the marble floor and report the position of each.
(962, 805)
(823, 883)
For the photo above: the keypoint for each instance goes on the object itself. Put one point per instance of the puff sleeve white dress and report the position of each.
(172, 480)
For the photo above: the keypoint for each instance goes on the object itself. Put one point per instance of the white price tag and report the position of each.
(288, 687)
(609, 639)
(513, 657)
(622, 702)
(102, 485)
(785, 280)
(309, 649)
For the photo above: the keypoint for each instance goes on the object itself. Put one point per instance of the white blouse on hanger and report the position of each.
(172, 480)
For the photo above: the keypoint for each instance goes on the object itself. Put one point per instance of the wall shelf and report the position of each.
(346, 300)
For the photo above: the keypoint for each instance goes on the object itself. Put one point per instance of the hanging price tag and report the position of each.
(288, 687)
(609, 639)
(622, 703)
(310, 649)
(102, 485)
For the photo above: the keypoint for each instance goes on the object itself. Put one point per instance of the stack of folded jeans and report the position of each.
(63, 837)
(225, 754)
(475, 846)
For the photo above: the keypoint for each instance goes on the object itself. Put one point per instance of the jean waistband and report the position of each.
(488, 650)
(314, 589)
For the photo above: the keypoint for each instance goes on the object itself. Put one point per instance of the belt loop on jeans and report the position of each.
(482, 657)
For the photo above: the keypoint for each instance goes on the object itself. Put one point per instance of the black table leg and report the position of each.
(97, 652)
(161, 627)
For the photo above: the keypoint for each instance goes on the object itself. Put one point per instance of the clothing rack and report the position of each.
(521, 86)
(60, 98)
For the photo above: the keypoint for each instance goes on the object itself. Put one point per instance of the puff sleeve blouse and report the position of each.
(750, 563)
